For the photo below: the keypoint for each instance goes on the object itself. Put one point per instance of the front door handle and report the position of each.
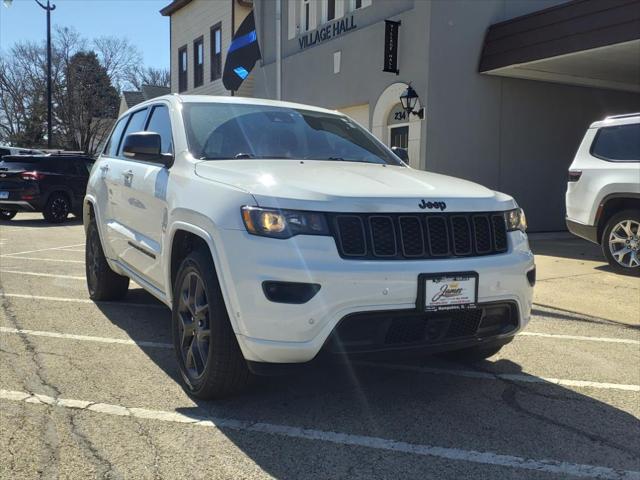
(128, 174)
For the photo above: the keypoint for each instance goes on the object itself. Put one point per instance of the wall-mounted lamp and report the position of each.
(409, 99)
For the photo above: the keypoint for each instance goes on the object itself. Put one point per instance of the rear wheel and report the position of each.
(210, 360)
(6, 215)
(57, 208)
(472, 354)
(621, 242)
(102, 282)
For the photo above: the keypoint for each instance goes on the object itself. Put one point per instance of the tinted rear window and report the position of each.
(619, 143)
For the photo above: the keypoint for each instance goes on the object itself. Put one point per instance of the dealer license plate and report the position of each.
(4, 195)
(450, 291)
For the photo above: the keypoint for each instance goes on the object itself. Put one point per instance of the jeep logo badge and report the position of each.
(431, 205)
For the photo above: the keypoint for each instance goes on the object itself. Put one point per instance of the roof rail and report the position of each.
(624, 115)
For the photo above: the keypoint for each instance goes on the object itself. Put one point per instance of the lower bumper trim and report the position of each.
(588, 232)
(398, 332)
(16, 205)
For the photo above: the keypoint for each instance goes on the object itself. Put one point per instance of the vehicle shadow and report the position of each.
(571, 248)
(404, 402)
(39, 222)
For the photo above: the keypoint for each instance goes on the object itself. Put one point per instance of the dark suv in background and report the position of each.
(52, 184)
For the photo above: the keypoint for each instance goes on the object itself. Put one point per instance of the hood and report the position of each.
(335, 186)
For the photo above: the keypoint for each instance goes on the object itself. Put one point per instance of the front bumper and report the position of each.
(294, 333)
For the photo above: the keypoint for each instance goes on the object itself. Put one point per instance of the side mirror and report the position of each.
(401, 153)
(146, 147)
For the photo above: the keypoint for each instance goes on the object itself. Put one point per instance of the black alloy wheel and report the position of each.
(102, 282)
(57, 208)
(6, 215)
(194, 329)
(209, 357)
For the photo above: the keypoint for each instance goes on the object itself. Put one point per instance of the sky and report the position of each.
(138, 20)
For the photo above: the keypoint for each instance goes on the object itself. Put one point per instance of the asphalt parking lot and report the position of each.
(90, 391)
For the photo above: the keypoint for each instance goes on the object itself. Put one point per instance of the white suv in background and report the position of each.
(277, 231)
(603, 191)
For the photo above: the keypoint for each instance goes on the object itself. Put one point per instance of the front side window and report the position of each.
(136, 124)
(160, 123)
(198, 62)
(182, 69)
(620, 143)
(111, 149)
(223, 131)
(216, 52)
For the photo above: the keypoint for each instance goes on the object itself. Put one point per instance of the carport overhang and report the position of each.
(593, 43)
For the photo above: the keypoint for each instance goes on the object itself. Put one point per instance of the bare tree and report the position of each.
(158, 77)
(119, 57)
(82, 114)
(22, 89)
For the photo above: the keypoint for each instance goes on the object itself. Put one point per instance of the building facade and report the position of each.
(508, 86)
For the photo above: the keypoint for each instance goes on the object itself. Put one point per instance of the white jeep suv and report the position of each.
(277, 232)
(603, 191)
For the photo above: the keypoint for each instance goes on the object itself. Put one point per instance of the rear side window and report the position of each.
(4, 151)
(161, 124)
(65, 166)
(136, 124)
(619, 143)
(112, 145)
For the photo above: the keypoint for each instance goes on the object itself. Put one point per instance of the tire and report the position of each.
(102, 282)
(622, 233)
(57, 208)
(211, 363)
(6, 215)
(472, 354)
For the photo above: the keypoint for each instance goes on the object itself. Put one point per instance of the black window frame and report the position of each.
(608, 159)
(216, 58)
(151, 109)
(124, 119)
(357, 4)
(183, 73)
(198, 68)
(122, 137)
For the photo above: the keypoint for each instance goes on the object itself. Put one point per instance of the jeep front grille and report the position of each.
(419, 236)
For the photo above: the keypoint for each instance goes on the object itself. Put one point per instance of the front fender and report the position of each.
(208, 231)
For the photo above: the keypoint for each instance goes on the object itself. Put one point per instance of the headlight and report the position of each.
(269, 222)
(516, 220)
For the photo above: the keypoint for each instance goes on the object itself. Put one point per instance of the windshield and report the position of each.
(221, 131)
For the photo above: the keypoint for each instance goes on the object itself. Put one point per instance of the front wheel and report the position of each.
(6, 215)
(211, 363)
(57, 208)
(621, 242)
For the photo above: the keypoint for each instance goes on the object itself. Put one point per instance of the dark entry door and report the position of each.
(399, 137)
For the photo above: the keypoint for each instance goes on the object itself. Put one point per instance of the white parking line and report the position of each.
(83, 300)
(42, 250)
(581, 337)
(514, 377)
(42, 259)
(49, 275)
(337, 438)
(86, 338)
